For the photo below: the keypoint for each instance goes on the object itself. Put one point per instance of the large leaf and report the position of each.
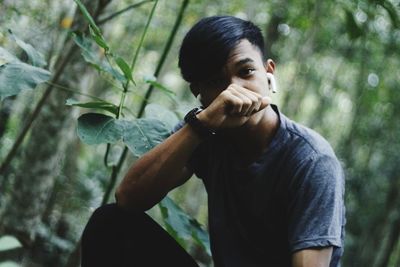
(181, 226)
(36, 58)
(95, 104)
(94, 128)
(141, 135)
(161, 113)
(18, 76)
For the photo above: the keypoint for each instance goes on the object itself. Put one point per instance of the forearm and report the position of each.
(158, 171)
(317, 257)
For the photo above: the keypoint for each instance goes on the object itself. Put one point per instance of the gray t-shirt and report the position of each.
(289, 199)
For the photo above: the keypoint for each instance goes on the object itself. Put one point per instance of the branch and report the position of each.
(101, 21)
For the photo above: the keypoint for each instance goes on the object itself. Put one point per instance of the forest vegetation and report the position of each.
(88, 86)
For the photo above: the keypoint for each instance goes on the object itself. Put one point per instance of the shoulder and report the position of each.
(311, 155)
(308, 139)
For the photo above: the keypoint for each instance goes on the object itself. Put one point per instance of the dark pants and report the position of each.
(116, 238)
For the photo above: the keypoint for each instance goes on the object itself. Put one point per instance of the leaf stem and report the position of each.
(143, 35)
(101, 21)
(74, 91)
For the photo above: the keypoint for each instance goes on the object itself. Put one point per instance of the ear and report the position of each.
(270, 66)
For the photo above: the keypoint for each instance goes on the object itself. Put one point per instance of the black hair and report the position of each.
(206, 47)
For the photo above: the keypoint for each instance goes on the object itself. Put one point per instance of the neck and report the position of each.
(255, 135)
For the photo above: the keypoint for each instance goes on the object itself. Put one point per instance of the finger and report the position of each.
(235, 104)
(253, 96)
(247, 102)
(266, 100)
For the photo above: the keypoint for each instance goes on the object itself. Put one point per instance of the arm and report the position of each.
(312, 257)
(163, 168)
(158, 171)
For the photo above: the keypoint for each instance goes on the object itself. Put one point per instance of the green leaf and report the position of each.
(18, 76)
(88, 17)
(125, 68)
(181, 226)
(155, 111)
(8, 242)
(91, 57)
(141, 135)
(36, 58)
(153, 81)
(94, 128)
(99, 39)
(6, 57)
(95, 104)
(353, 29)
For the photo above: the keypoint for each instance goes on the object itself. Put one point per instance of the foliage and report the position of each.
(337, 68)
(139, 135)
(17, 76)
(181, 226)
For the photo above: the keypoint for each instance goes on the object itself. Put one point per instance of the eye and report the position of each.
(246, 72)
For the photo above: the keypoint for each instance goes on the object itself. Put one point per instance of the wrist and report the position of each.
(205, 120)
(198, 122)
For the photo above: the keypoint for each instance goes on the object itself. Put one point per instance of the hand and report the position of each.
(232, 108)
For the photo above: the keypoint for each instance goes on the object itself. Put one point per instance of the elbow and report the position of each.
(122, 200)
(127, 202)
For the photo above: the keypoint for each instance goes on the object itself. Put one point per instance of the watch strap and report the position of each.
(196, 124)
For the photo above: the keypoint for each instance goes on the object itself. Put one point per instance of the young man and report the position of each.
(275, 188)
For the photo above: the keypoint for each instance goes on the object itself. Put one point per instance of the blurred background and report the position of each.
(338, 70)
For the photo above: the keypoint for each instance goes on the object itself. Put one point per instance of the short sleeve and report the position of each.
(196, 161)
(316, 205)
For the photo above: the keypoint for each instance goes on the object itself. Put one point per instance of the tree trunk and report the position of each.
(42, 160)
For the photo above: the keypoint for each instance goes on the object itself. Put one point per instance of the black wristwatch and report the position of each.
(196, 125)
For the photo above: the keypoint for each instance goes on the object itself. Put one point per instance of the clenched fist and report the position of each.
(232, 108)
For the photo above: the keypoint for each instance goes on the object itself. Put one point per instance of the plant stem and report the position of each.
(135, 57)
(101, 21)
(114, 175)
(143, 35)
(167, 48)
(164, 54)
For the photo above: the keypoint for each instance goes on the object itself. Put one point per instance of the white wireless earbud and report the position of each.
(272, 83)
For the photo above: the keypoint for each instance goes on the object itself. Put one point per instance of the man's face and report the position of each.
(244, 67)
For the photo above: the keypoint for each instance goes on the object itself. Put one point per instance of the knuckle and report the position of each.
(248, 102)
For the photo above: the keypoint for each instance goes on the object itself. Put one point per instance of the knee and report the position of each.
(112, 216)
(105, 216)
